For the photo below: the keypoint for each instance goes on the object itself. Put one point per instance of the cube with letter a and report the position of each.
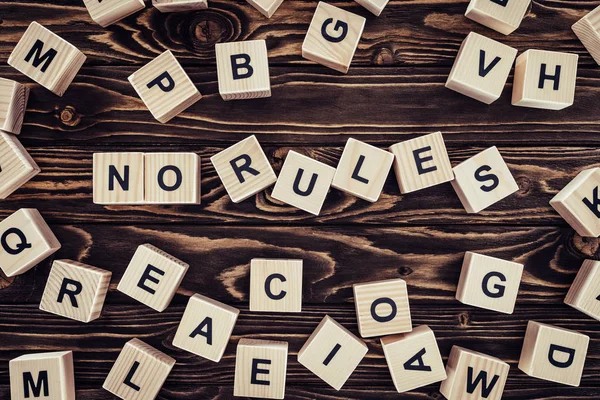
(118, 178)
(584, 294)
(276, 285)
(42, 376)
(503, 16)
(260, 369)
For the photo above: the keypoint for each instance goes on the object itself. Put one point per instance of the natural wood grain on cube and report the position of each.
(266, 7)
(260, 369)
(118, 178)
(43, 375)
(172, 178)
(276, 285)
(584, 293)
(375, 6)
(587, 30)
(167, 6)
(16, 165)
(13, 102)
(107, 12)
(504, 16)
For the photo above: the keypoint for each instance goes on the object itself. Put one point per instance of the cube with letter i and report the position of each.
(17, 167)
(260, 369)
(13, 102)
(584, 294)
(107, 12)
(266, 7)
(503, 16)
(118, 178)
(166, 6)
(587, 30)
(172, 178)
(276, 285)
(42, 376)
(375, 6)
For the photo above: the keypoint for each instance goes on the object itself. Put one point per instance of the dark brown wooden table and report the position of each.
(393, 92)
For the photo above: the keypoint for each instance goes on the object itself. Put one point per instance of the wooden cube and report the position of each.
(206, 327)
(481, 68)
(553, 354)
(139, 372)
(16, 165)
(503, 16)
(303, 182)
(333, 37)
(489, 282)
(587, 30)
(260, 369)
(244, 169)
(46, 58)
(362, 170)
(545, 79)
(579, 203)
(13, 102)
(266, 7)
(473, 375)
(421, 163)
(25, 240)
(172, 178)
(276, 285)
(164, 87)
(152, 277)
(382, 308)
(585, 290)
(166, 6)
(375, 6)
(75, 290)
(243, 70)
(118, 178)
(414, 359)
(43, 375)
(483, 180)
(107, 12)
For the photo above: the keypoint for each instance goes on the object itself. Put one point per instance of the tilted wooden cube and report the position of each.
(243, 70)
(266, 7)
(375, 6)
(118, 178)
(260, 369)
(42, 376)
(172, 178)
(587, 30)
(16, 165)
(504, 16)
(107, 12)
(166, 6)
(276, 285)
(584, 294)
(13, 102)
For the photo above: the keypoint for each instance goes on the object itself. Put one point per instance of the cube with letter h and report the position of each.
(503, 16)
(276, 285)
(584, 293)
(13, 102)
(107, 12)
(17, 167)
(260, 369)
(42, 376)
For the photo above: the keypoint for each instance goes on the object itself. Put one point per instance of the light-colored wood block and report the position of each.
(579, 203)
(375, 6)
(260, 369)
(303, 182)
(25, 240)
(118, 178)
(172, 178)
(139, 372)
(152, 277)
(545, 79)
(13, 102)
(489, 282)
(244, 169)
(421, 162)
(503, 16)
(481, 68)
(332, 353)
(243, 70)
(206, 327)
(107, 12)
(16, 165)
(166, 6)
(276, 285)
(46, 58)
(382, 308)
(75, 290)
(587, 30)
(584, 294)
(483, 180)
(553, 354)
(473, 376)
(414, 359)
(266, 7)
(362, 170)
(47, 376)
(333, 37)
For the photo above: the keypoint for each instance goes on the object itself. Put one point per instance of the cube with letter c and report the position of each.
(276, 285)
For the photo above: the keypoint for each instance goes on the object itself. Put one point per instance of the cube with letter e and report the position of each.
(260, 369)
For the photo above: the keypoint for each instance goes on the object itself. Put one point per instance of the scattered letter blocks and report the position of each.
(333, 37)
(414, 359)
(503, 16)
(139, 372)
(276, 285)
(584, 294)
(260, 369)
(152, 277)
(266, 7)
(206, 327)
(166, 6)
(16, 165)
(473, 376)
(587, 30)
(375, 6)
(13, 102)
(107, 12)
(42, 376)
(553, 354)
(545, 79)
(46, 58)
(172, 178)
(243, 70)
(118, 178)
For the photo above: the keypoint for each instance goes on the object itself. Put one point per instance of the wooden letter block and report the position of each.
(152, 277)
(166, 6)
(483, 180)
(375, 6)
(303, 182)
(421, 163)
(553, 354)
(46, 376)
(481, 68)
(266, 7)
(118, 178)
(243, 70)
(25, 240)
(75, 290)
(584, 294)
(332, 353)
(107, 12)
(362, 170)
(13, 102)
(276, 285)
(260, 369)
(382, 308)
(244, 169)
(172, 178)
(473, 376)
(206, 327)
(47, 58)
(333, 37)
(503, 16)
(16, 165)
(545, 79)
(139, 372)
(489, 282)
(587, 30)
(414, 359)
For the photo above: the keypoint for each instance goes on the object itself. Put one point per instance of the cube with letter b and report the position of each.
(13, 102)
(172, 178)
(107, 12)
(17, 167)
(118, 178)
(260, 369)
(503, 16)
(276, 285)
(42, 376)
(584, 294)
